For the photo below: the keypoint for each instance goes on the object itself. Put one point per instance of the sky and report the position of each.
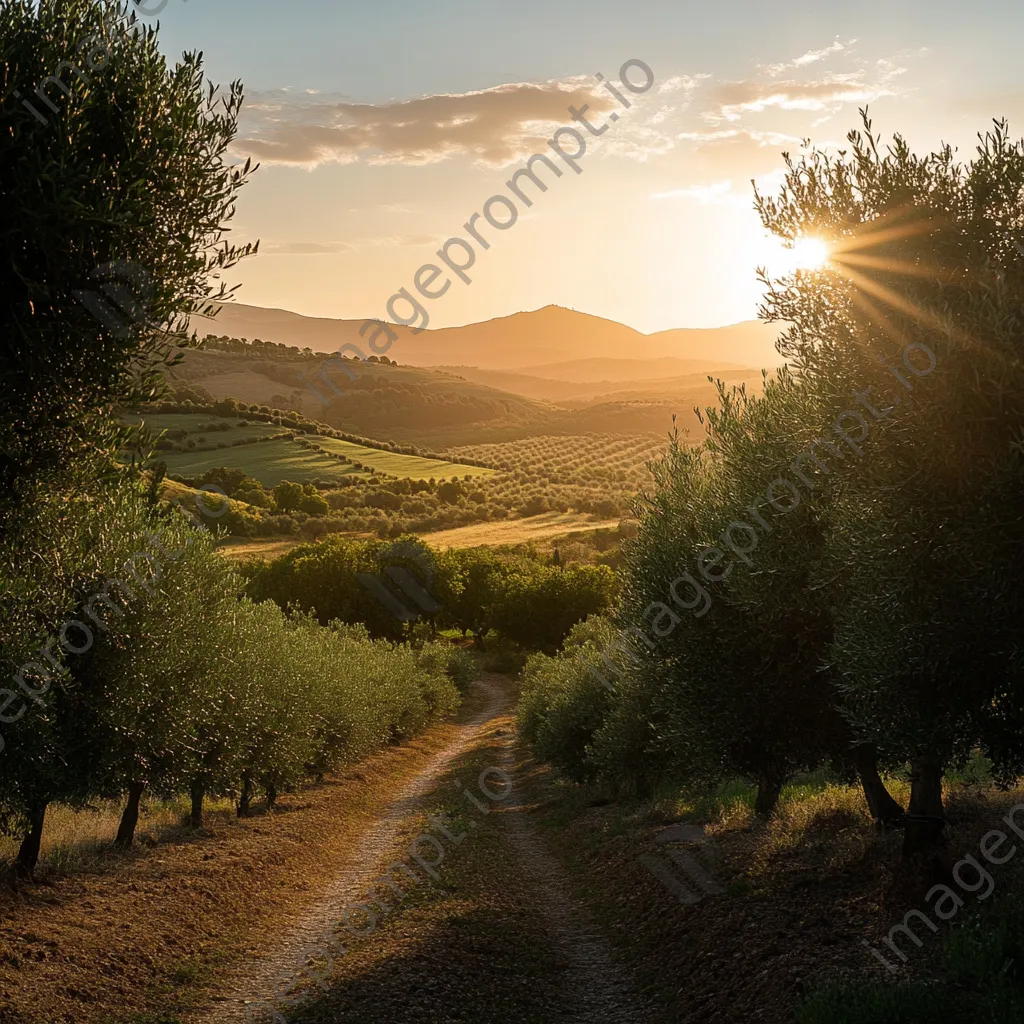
(381, 129)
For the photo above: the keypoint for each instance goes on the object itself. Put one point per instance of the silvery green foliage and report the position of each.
(184, 679)
(117, 190)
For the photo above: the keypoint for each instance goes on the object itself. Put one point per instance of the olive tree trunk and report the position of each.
(28, 854)
(926, 817)
(197, 792)
(769, 787)
(245, 797)
(130, 817)
(883, 807)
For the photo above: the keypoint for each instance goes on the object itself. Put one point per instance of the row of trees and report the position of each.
(139, 665)
(272, 349)
(132, 659)
(475, 590)
(583, 459)
(860, 522)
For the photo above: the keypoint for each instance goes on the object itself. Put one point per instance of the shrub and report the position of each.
(442, 656)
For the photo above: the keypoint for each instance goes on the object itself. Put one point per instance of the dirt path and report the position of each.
(600, 985)
(307, 940)
(591, 983)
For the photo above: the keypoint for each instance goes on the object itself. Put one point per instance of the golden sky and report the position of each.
(381, 130)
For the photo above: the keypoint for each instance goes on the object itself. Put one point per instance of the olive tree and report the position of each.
(117, 191)
(915, 323)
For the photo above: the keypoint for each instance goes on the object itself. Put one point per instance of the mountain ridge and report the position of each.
(516, 341)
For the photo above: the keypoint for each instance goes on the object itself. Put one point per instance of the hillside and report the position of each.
(439, 408)
(399, 402)
(527, 339)
(596, 370)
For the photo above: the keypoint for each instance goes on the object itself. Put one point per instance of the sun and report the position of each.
(809, 254)
(806, 253)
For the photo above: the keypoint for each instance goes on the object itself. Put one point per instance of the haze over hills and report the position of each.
(436, 407)
(595, 370)
(530, 340)
(626, 388)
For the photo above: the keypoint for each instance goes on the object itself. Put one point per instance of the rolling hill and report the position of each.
(522, 340)
(597, 370)
(438, 409)
(686, 388)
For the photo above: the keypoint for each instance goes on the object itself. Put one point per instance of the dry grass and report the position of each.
(267, 549)
(516, 531)
(77, 841)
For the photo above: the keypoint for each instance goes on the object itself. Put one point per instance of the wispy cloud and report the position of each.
(810, 57)
(736, 98)
(304, 248)
(496, 125)
(291, 248)
(704, 194)
(404, 241)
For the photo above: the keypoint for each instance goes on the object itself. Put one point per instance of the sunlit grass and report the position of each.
(75, 841)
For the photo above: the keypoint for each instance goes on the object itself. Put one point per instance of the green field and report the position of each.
(270, 462)
(393, 464)
(206, 432)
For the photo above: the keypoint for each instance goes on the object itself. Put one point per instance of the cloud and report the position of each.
(496, 125)
(686, 83)
(736, 98)
(704, 194)
(404, 241)
(357, 245)
(304, 248)
(810, 57)
(806, 88)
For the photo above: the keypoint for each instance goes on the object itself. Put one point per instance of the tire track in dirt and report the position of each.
(599, 984)
(308, 938)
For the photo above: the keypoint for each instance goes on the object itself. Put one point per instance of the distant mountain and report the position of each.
(535, 339)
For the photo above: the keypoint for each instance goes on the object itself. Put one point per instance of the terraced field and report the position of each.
(270, 462)
(203, 441)
(394, 464)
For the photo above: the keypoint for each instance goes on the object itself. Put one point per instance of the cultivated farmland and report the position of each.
(193, 443)
(411, 467)
(270, 462)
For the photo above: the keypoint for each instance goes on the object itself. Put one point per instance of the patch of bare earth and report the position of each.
(600, 985)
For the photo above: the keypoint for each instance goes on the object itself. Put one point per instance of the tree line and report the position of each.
(132, 659)
(158, 675)
(515, 594)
